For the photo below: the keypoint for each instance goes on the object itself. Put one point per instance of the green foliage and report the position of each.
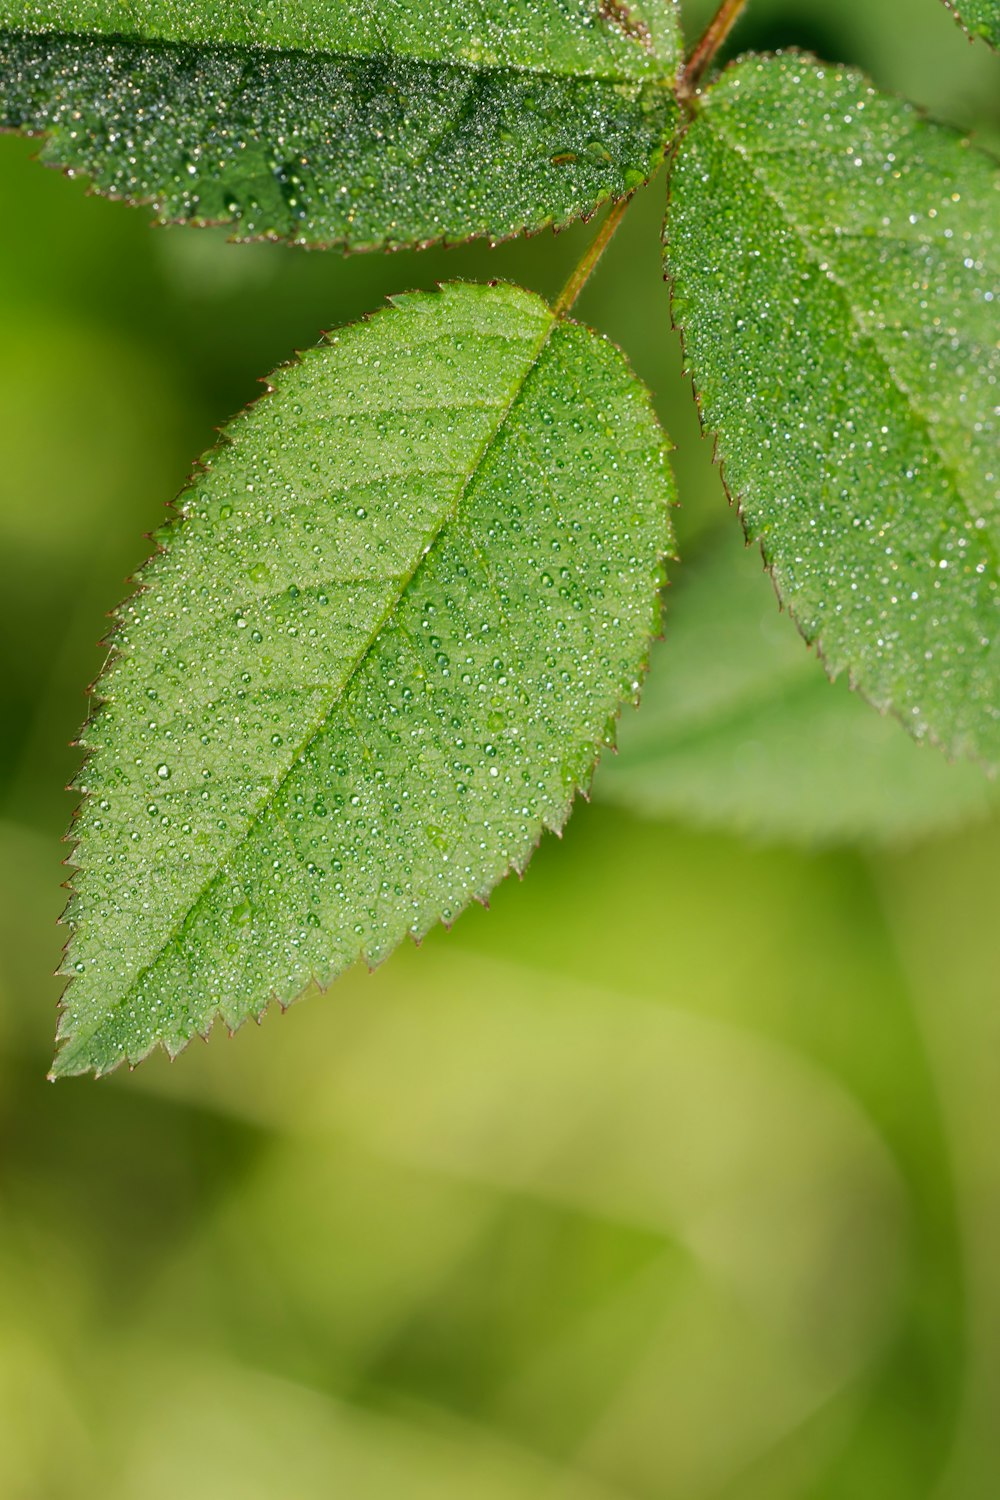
(739, 730)
(374, 658)
(380, 647)
(673, 1175)
(323, 124)
(835, 259)
(979, 17)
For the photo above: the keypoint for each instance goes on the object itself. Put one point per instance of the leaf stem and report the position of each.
(714, 35)
(581, 272)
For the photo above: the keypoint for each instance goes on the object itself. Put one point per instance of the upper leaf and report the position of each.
(835, 267)
(360, 125)
(741, 731)
(979, 17)
(375, 656)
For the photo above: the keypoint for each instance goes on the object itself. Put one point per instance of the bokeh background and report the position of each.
(674, 1176)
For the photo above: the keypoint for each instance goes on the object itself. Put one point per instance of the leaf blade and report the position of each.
(404, 718)
(849, 276)
(330, 129)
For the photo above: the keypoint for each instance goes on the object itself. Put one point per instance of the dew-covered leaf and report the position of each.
(741, 730)
(979, 17)
(375, 656)
(360, 125)
(834, 259)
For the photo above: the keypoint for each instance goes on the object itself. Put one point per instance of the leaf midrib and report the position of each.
(80, 1039)
(661, 74)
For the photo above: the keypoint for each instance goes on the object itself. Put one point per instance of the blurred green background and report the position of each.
(673, 1176)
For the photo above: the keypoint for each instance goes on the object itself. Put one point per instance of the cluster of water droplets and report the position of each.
(979, 17)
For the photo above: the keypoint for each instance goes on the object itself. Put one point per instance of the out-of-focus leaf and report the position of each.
(834, 259)
(375, 657)
(502, 1111)
(979, 17)
(740, 729)
(358, 125)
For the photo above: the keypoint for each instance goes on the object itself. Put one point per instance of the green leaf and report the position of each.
(834, 265)
(740, 730)
(359, 125)
(373, 659)
(979, 17)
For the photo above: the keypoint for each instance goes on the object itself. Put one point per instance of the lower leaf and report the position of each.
(376, 656)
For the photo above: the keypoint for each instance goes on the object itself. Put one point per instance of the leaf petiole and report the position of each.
(712, 39)
(584, 267)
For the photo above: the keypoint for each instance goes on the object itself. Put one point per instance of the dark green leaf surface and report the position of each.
(979, 17)
(374, 658)
(834, 261)
(740, 730)
(355, 125)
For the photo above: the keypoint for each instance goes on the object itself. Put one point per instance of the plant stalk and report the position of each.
(715, 34)
(581, 272)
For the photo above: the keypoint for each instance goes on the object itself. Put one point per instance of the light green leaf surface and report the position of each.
(360, 125)
(374, 658)
(740, 729)
(979, 17)
(834, 259)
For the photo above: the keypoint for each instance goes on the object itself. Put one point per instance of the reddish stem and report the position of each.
(715, 34)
